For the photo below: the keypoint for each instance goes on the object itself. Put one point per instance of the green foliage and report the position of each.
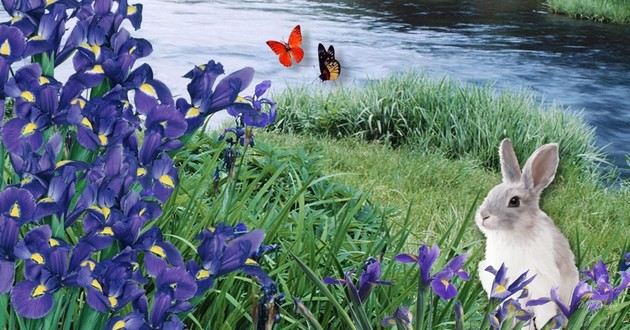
(444, 117)
(614, 11)
(306, 193)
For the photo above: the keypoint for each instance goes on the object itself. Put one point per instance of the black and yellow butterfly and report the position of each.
(329, 67)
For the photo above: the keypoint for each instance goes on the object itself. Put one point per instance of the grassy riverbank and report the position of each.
(438, 116)
(614, 11)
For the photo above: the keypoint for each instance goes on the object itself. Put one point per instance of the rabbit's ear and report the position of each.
(509, 163)
(540, 168)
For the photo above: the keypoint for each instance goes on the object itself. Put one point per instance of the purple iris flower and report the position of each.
(47, 269)
(126, 51)
(17, 204)
(370, 277)
(12, 44)
(624, 263)
(441, 281)
(174, 286)
(604, 292)
(581, 293)
(205, 100)
(165, 178)
(149, 92)
(112, 286)
(402, 318)
(159, 254)
(255, 110)
(223, 250)
(510, 309)
(167, 121)
(500, 288)
(425, 259)
(50, 30)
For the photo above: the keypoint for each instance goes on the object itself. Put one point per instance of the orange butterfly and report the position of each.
(291, 49)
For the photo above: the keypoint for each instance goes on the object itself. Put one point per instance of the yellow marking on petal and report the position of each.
(102, 138)
(96, 50)
(86, 122)
(500, 289)
(141, 171)
(53, 242)
(445, 283)
(106, 211)
(131, 9)
(50, 2)
(192, 112)
(39, 291)
(28, 96)
(250, 261)
(158, 251)
(113, 301)
(211, 229)
(107, 231)
(167, 181)
(15, 210)
(62, 163)
(36, 37)
(16, 19)
(119, 325)
(46, 199)
(142, 211)
(202, 67)
(37, 258)
(135, 266)
(96, 285)
(5, 48)
(202, 274)
(26, 180)
(148, 89)
(132, 49)
(89, 263)
(97, 69)
(29, 129)
(43, 80)
(241, 99)
(80, 102)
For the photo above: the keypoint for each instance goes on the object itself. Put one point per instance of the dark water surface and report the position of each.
(513, 44)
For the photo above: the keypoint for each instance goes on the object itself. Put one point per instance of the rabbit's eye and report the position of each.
(514, 202)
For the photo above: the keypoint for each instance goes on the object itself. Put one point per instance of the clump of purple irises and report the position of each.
(92, 167)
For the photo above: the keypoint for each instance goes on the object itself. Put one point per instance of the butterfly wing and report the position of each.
(334, 69)
(329, 67)
(282, 50)
(295, 38)
(322, 55)
(295, 44)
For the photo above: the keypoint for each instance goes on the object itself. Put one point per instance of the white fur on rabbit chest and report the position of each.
(520, 252)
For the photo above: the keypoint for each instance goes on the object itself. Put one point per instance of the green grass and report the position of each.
(614, 11)
(333, 203)
(440, 189)
(459, 122)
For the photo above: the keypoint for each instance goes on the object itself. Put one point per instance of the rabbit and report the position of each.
(521, 235)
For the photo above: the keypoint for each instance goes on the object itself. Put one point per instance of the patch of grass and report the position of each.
(440, 190)
(614, 11)
(459, 122)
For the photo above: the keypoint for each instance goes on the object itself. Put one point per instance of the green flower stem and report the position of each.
(420, 302)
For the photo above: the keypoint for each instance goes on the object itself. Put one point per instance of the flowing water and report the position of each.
(513, 44)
